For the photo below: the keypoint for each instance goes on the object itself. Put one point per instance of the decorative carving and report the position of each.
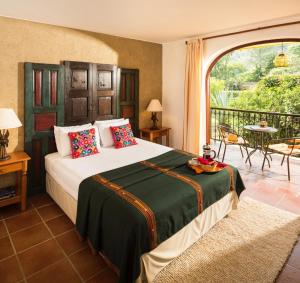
(105, 94)
(104, 106)
(80, 107)
(44, 121)
(53, 84)
(104, 80)
(37, 87)
(78, 92)
(79, 79)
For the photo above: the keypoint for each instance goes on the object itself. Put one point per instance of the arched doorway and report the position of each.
(263, 70)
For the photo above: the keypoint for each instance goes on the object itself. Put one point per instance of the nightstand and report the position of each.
(152, 135)
(17, 163)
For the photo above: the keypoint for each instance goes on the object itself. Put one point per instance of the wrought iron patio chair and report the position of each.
(285, 146)
(230, 137)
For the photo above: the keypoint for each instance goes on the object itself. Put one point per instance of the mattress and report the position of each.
(69, 173)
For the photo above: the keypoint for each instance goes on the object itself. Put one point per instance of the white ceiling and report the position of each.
(150, 20)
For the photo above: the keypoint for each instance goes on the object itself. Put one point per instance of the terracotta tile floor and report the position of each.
(40, 244)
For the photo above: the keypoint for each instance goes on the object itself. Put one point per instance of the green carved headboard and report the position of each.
(44, 107)
(68, 94)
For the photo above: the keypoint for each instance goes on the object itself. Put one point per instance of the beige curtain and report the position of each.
(192, 92)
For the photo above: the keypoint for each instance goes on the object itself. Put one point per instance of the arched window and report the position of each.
(258, 81)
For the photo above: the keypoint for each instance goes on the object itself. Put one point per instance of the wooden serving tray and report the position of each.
(200, 168)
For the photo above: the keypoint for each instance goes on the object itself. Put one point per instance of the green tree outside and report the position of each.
(247, 79)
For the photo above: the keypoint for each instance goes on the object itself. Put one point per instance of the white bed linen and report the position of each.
(69, 173)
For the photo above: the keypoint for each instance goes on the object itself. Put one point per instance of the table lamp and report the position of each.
(8, 120)
(154, 107)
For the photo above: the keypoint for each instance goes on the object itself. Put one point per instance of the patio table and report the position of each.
(259, 133)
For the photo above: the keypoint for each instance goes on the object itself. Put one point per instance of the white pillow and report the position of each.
(57, 137)
(105, 132)
(105, 122)
(62, 139)
(108, 121)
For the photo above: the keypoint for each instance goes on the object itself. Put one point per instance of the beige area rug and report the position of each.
(250, 245)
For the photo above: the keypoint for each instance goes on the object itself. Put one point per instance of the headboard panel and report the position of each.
(129, 96)
(105, 92)
(44, 108)
(78, 92)
(90, 92)
(69, 94)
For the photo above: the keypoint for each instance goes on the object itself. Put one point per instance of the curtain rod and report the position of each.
(249, 30)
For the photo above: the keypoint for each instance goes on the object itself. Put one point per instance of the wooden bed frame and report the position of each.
(72, 93)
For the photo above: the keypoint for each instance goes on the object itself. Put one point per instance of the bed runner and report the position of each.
(128, 211)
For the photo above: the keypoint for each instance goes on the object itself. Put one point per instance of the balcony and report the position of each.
(270, 185)
(288, 125)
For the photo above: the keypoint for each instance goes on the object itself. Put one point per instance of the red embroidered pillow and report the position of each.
(122, 136)
(83, 143)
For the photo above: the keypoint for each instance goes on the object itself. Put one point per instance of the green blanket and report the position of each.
(128, 211)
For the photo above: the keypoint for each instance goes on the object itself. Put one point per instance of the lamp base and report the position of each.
(4, 134)
(5, 158)
(154, 120)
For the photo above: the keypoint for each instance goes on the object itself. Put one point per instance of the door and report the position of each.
(105, 92)
(129, 96)
(44, 108)
(78, 92)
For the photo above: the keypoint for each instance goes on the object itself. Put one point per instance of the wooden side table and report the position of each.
(17, 163)
(152, 135)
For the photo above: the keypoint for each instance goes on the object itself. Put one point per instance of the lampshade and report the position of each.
(154, 106)
(8, 119)
(281, 60)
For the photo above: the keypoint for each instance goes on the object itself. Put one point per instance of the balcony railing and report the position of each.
(288, 125)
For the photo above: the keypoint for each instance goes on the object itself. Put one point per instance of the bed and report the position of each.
(64, 176)
(152, 170)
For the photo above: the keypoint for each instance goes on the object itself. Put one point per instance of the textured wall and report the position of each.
(23, 41)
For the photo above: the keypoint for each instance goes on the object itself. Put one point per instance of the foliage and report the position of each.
(248, 79)
(285, 71)
(294, 56)
(272, 94)
(229, 72)
(216, 89)
(261, 63)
